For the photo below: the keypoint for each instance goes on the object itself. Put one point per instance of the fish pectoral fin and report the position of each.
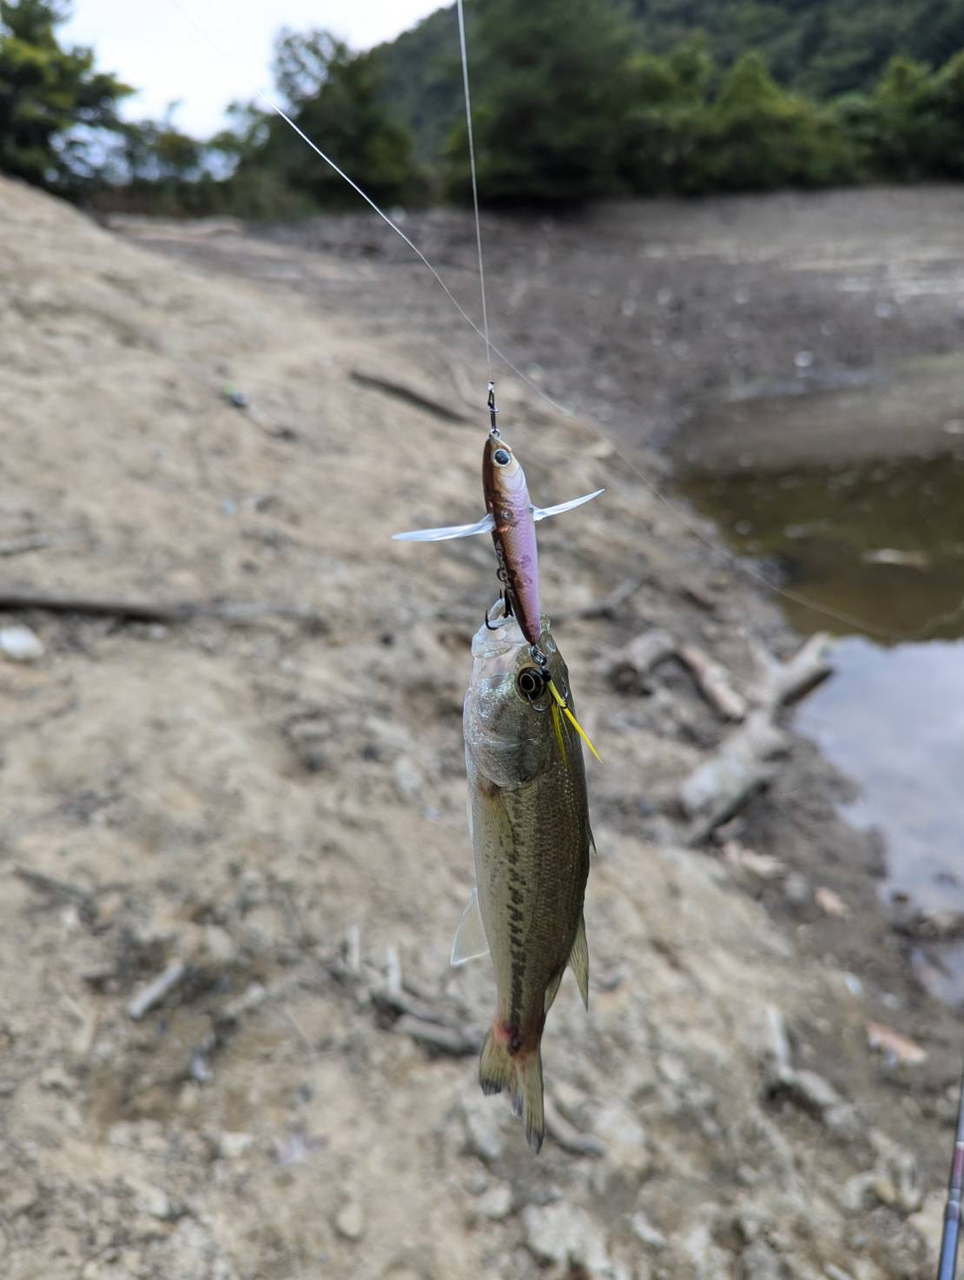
(579, 960)
(543, 513)
(470, 941)
(485, 525)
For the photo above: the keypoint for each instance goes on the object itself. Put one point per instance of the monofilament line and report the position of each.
(475, 184)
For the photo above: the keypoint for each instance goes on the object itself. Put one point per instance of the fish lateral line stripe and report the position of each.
(565, 709)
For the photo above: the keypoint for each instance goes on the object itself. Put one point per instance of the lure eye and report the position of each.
(531, 682)
(501, 457)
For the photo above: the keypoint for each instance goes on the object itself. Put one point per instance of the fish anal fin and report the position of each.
(552, 991)
(470, 940)
(579, 960)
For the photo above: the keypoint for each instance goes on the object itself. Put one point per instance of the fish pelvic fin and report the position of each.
(470, 941)
(521, 1074)
(579, 960)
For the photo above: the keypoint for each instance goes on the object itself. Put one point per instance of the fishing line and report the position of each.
(739, 565)
(475, 184)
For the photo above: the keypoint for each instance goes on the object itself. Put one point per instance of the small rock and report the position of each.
(151, 1200)
(350, 1221)
(644, 1230)
(564, 1234)
(19, 1199)
(496, 1203)
(481, 1119)
(231, 1146)
(796, 890)
(830, 903)
(20, 644)
(56, 1080)
(895, 1047)
(761, 1262)
(218, 946)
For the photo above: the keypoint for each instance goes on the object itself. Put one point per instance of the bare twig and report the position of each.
(156, 991)
(607, 606)
(457, 1040)
(713, 681)
(410, 395)
(568, 1136)
(14, 599)
(31, 542)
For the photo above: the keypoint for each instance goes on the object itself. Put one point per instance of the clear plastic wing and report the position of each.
(485, 525)
(470, 942)
(541, 513)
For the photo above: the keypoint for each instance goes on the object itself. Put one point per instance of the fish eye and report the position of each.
(501, 457)
(531, 682)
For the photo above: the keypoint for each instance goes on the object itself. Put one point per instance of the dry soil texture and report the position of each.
(269, 812)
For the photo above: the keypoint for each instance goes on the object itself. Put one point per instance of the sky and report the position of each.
(154, 47)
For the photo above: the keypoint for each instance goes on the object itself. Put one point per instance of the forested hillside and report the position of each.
(818, 47)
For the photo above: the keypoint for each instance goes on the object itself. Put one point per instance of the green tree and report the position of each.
(334, 97)
(52, 100)
(552, 87)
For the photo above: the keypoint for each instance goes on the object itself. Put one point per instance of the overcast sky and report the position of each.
(153, 47)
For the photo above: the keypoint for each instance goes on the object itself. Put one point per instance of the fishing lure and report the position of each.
(511, 518)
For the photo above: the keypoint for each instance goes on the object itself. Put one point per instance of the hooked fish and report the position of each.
(529, 822)
(511, 519)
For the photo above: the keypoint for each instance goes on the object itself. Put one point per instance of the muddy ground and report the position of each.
(268, 811)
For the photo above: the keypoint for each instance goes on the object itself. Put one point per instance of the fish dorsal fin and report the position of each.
(485, 525)
(543, 513)
(470, 941)
(579, 959)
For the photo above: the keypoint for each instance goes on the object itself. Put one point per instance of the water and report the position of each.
(883, 543)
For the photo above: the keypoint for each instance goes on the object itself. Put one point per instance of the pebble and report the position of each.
(564, 1234)
(231, 1146)
(496, 1203)
(761, 1262)
(350, 1221)
(481, 1117)
(20, 644)
(644, 1230)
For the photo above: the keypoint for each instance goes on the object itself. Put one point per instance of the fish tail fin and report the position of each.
(495, 1065)
(521, 1073)
(528, 1088)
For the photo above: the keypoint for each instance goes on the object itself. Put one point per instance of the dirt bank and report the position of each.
(268, 814)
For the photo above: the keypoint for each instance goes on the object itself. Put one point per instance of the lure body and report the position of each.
(513, 533)
(529, 817)
(511, 519)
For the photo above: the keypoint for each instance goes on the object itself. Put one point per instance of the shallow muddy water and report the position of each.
(879, 544)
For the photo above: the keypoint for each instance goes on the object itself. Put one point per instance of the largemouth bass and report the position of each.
(529, 820)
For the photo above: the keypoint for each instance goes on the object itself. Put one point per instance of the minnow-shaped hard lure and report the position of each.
(511, 519)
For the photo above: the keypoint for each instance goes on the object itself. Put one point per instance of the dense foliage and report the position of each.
(53, 103)
(573, 100)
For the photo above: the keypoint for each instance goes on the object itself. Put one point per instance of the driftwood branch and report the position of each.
(713, 681)
(606, 606)
(409, 395)
(14, 600)
(744, 761)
